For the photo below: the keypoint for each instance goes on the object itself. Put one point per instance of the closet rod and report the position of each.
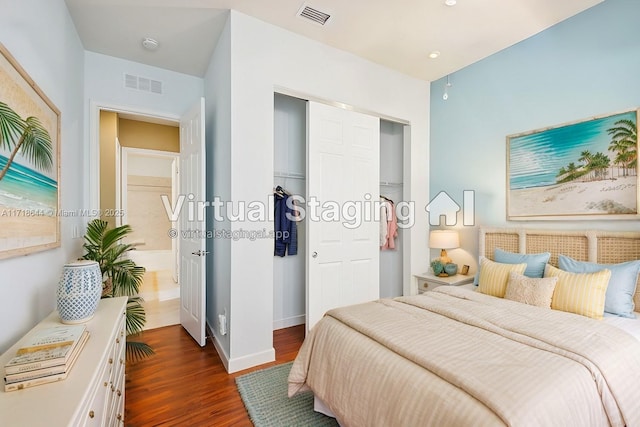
(288, 175)
(390, 184)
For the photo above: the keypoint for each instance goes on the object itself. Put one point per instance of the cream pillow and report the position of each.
(580, 293)
(494, 276)
(532, 291)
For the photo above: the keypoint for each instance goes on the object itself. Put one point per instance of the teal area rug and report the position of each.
(264, 394)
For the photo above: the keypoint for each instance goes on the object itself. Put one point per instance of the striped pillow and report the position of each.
(580, 293)
(494, 276)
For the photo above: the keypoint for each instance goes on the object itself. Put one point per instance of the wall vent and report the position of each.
(142, 83)
(314, 15)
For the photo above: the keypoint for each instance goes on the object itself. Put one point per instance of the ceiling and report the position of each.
(398, 34)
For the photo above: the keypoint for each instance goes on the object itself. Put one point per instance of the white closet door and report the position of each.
(343, 167)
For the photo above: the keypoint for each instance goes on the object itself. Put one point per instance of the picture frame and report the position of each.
(29, 172)
(581, 170)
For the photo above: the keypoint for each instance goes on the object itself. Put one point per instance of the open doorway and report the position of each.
(139, 157)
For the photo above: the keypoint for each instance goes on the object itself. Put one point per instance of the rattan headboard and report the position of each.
(604, 247)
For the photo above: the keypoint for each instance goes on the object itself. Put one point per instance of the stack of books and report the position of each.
(47, 355)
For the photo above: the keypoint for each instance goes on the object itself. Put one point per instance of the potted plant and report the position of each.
(437, 266)
(121, 277)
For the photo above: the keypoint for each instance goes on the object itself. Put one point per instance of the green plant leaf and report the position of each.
(11, 127)
(137, 351)
(103, 244)
(37, 146)
(135, 316)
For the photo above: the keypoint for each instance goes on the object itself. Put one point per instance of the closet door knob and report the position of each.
(314, 255)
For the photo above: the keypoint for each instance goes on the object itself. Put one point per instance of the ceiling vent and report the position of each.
(143, 84)
(314, 15)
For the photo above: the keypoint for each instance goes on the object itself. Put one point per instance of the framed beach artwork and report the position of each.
(29, 163)
(580, 170)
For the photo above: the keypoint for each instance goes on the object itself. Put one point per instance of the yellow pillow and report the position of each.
(580, 293)
(494, 276)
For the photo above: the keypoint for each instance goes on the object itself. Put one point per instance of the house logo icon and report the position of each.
(443, 205)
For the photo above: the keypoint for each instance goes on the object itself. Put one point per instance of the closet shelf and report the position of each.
(288, 175)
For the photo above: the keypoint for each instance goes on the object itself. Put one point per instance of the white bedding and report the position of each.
(630, 326)
(395, 346)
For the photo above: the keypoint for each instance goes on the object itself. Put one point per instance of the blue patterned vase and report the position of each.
(79, 291)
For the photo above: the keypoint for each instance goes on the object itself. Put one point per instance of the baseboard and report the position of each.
(251, 360)
(223, 355)
(289, 322)
(240, 363)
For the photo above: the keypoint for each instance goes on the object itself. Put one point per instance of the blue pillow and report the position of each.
(535, 262)
(622, 285)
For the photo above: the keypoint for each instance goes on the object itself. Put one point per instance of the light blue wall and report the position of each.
(40, 35)
(585, 66)
(217, 85)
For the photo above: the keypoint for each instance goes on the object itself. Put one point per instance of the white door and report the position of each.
(191, 244)
(342, 170)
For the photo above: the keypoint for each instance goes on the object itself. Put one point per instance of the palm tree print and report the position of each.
(624, 143)
(27, 137)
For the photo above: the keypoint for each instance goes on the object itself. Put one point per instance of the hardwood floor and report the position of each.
(186, 385)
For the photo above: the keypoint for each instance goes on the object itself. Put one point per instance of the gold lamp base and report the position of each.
(444, 258)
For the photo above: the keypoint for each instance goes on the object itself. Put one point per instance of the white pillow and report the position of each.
(532, 291)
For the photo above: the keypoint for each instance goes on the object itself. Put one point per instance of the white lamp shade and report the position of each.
(444, 239)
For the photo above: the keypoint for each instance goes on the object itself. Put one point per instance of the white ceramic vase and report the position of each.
(79, 291)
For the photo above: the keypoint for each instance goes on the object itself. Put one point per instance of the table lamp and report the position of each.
(443, 240)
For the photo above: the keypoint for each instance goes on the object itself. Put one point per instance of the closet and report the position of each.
(289, 165)
(290, 168)
(391, 187)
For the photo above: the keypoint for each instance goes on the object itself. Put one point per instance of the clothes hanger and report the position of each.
(281, 191)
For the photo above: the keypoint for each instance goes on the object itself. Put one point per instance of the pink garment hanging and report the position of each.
(385, 216)
(392, 228)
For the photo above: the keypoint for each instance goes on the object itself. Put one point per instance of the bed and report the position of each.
(461, 357)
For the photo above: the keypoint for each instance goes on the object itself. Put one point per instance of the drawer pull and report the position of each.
(117, 340)
(110, 360)
(119, 417)
(91, 414)
(119, 393)
(105, 384)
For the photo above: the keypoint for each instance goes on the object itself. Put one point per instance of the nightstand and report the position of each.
(428, 281)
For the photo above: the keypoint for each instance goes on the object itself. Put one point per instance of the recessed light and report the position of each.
(149, 43)
(450, 2)
(434, 54)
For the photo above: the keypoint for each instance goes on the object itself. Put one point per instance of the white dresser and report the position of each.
(93, 392)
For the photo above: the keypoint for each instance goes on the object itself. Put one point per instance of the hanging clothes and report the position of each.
(391, 224)
(286, 241)
(384, 218)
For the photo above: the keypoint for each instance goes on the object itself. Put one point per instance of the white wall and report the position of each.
(42, 38)
(149, 165)
(104, 82)
(264, 58)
